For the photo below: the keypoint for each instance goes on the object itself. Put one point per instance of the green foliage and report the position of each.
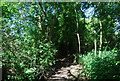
(25, 60)
(30, 29)
(105, 67)
(26, 51)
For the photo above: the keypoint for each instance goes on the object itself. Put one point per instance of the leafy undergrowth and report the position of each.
(106, 66)
(25, 61)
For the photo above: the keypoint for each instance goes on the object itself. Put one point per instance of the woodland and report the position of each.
(40, 39)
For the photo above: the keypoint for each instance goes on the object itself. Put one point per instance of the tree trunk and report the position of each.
(100, 46)
(39, 23)
(95, 40)
(95, 44)
(78, 37)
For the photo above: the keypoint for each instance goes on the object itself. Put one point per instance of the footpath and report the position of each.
(66, 70)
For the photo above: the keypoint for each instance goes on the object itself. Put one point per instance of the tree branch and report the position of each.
(42, 9)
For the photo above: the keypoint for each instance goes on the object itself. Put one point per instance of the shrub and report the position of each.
(25, 60)
(106, 66)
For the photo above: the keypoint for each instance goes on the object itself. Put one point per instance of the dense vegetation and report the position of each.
(105, 67)
(36, 35)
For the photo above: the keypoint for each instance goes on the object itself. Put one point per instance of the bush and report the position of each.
(107, 66)
(25, 60)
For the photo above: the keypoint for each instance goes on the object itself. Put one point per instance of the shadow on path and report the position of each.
(65, 70)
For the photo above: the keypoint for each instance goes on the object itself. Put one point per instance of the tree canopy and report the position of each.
(36, 34)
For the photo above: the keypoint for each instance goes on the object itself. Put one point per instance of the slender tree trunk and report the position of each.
(95, 41)
(78, 37)
(44, 18)
(100, 46)
(95, 44)
(39, 23)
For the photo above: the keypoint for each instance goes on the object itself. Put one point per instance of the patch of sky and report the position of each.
(89, 12)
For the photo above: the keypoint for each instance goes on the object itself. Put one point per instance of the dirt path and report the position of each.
(66, 73)
(66, 70)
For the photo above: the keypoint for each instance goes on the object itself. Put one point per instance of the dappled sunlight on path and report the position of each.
(70, 72)
(66, 70)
